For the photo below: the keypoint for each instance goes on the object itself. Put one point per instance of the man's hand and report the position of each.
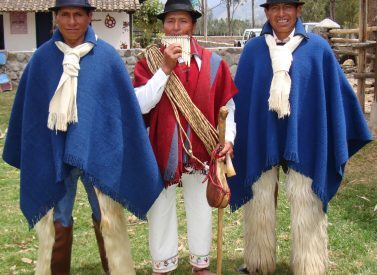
(171, 55)
(227, 150)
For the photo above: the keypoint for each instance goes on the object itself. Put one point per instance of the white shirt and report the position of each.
(285, 40)
(150, 94)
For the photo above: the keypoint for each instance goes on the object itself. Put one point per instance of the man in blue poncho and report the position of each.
(295, 109)
(75, 115)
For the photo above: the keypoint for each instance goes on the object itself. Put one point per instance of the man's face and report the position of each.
(178, 23)
(73, 23)
(282, 18)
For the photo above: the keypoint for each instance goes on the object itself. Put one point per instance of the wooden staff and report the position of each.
(222, 169)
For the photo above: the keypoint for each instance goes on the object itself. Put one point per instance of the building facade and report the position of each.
(25, 25)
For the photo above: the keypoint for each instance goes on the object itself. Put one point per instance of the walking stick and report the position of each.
(222, 169)
(220, 215)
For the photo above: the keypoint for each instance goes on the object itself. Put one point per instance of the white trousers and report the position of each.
(163, 225)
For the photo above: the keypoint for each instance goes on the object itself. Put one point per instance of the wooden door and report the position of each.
(43, 24)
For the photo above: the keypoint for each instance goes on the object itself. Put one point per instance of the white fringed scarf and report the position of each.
(281, 59)
(63, 108)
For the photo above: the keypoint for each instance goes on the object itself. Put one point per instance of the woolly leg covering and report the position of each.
(309, 227)
(114, 231)
(46, 236)
(260, 220)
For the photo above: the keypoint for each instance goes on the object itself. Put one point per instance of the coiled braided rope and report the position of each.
(180, 100)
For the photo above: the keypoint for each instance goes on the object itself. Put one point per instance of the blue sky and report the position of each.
(242, 12)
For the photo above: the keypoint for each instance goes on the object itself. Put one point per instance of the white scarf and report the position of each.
(63, 108)
(281, 59)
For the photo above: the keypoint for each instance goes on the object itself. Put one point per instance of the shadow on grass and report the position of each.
(232, 266)
(282, 268)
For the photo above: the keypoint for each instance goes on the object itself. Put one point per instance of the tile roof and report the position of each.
(43, 5)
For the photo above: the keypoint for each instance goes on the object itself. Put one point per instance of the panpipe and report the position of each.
(184, 41)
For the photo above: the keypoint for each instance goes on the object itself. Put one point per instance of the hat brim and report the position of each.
(91, 8)
(265, 5)
(195, 14)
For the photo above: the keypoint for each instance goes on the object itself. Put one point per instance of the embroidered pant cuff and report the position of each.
(199, 261)
(165, 265)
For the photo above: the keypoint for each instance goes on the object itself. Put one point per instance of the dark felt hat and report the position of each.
(72, 3)
(270, 2)
(179, 5)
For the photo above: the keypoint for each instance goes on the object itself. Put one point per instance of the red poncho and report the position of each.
(209, 89)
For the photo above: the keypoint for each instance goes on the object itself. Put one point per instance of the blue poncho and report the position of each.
(109, 142)
(325, 128)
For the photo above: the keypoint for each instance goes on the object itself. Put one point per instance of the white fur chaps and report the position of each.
(46, 237)
(114, 231)
(309, 254)
(308, 227)
(260, 220)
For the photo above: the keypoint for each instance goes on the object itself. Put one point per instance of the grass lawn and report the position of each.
(352, 225)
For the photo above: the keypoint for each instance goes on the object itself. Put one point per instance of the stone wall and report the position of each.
(17, 61)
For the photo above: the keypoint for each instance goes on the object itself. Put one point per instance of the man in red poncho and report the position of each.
(209, 84)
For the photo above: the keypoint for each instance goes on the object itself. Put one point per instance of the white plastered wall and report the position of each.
(20, 42)
(118, 34)
(115, 36)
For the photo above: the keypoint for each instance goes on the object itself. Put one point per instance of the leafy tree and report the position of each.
(146, 21)
(347, 13)
(220, 26)
(217, 27)
(314, 10)
(240, 25)
(231, 7)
